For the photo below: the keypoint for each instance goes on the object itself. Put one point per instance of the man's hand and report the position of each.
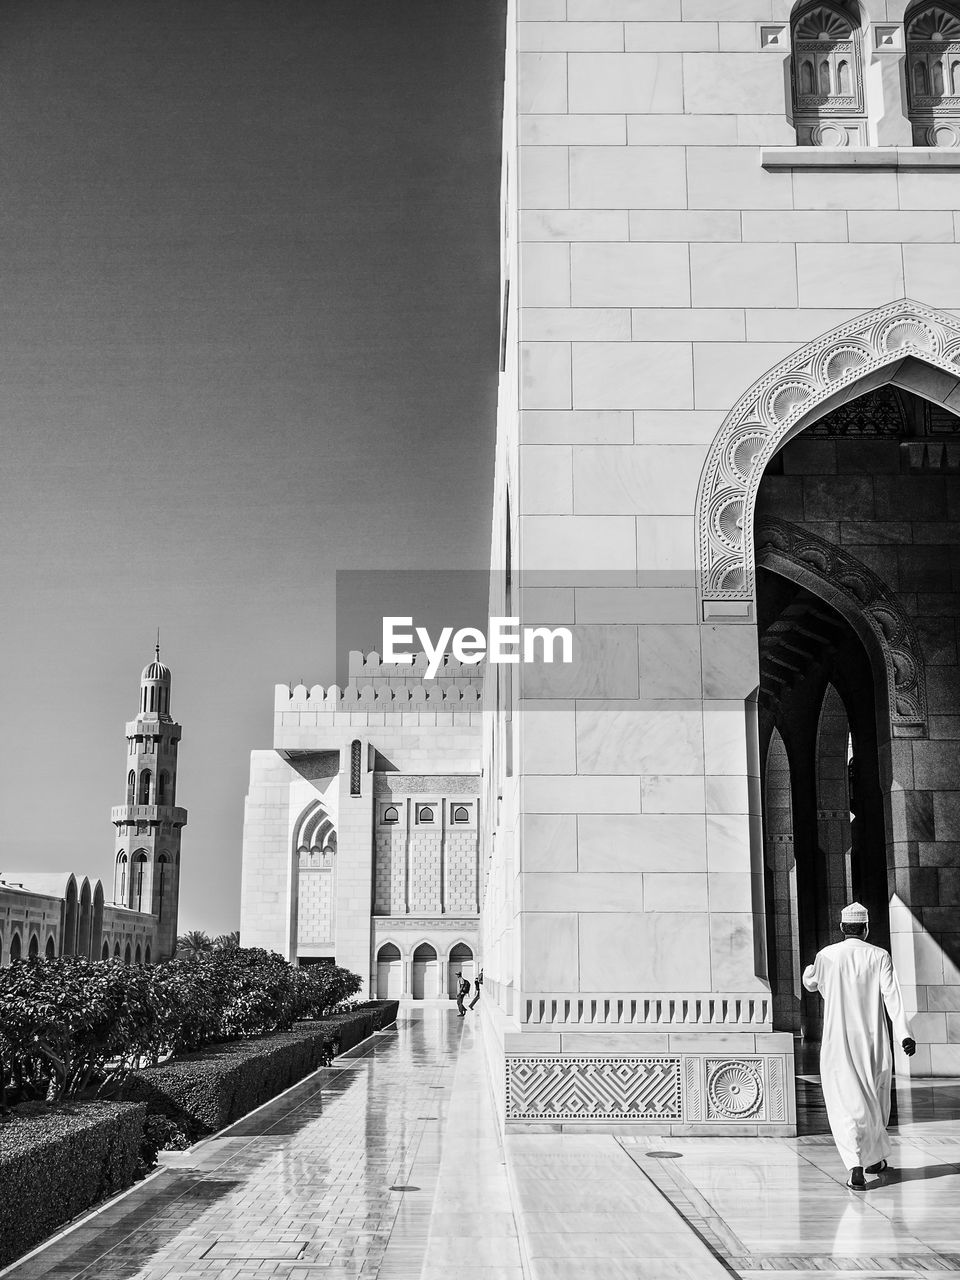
(909, 1047)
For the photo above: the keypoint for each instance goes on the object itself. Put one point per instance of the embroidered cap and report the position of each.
(856, 913)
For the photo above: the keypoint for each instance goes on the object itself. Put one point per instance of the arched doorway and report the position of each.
(423, 979)
(858, 610)
(51, 949)
(460, 959)
(389, 972)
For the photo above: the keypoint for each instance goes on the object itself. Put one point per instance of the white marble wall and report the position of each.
(667, 244)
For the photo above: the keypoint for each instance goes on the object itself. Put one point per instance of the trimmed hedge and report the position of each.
(57, 1164)
(356, 1024)
(205, 1091)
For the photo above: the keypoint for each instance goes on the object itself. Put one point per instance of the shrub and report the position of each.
(202, 1092)
(56, 1164)
(65, 1019)
(346, 1030)
(322, 988)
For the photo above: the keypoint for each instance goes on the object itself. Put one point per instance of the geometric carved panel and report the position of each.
(775, 407)
(584, 1088)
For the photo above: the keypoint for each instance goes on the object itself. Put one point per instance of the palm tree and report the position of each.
(193, 944)
(227, 941)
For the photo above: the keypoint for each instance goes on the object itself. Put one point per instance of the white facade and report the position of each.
(361, 838)
(686, 289)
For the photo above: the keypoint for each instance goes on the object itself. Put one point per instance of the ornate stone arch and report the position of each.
(843, 364)
(863, 599)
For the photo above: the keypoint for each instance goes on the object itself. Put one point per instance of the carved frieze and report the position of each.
(437, 784)
(681, 1089)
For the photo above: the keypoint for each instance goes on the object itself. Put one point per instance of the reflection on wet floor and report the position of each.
(389, 1166)
(779, 1208)
(308, 1185)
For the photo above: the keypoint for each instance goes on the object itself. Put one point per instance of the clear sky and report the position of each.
(248, 337)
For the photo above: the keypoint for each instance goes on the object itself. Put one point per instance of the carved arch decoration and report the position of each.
(808, 383)
(864, 600)
(315, 836)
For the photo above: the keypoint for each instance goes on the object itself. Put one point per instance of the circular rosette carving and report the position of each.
(786, 399)
(727, 521)
(733, 578)
(887, 621)
(839, 362)
(857, 585)
(904, 670)
(818, 558)
(829, 134)
(907, 334)
(735, 1089)
(943, 134)
(743, 452)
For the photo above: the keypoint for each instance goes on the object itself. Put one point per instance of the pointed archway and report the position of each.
(904, 343)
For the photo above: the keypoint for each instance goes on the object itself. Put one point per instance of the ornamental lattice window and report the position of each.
(355, 767)
(828, 105)
(933, 76)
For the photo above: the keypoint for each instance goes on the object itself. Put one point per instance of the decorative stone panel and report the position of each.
(585, 1088)
(775, 407)
(679, 1089)
(315, 908)
(460, 850)
(390, 858)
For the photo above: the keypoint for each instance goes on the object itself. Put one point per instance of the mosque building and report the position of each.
(361, 831)
(51, 914)
(728, 460)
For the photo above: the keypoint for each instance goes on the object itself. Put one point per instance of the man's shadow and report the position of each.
(890, 1177)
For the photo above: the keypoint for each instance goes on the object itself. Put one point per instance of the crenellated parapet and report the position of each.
(370, 668)
(372, 697)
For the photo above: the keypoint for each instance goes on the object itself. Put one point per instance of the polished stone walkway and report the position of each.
(389, 1165)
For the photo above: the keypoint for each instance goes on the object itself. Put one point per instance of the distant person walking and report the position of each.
(463, 990)
(477, 984)
(857, 982)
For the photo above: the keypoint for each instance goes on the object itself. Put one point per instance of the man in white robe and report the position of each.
(857, 982)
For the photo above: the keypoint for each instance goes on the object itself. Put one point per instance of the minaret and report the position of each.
(147, 858)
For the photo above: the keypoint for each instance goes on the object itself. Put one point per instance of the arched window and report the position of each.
(105, 953)
(126, 954)
(389, 951)
(391, 813)
(131, 787)
(146, 955)
(138, 957)
(51, 949)
(828, 102)
(15, 948)
(139, 880)
(121, 883)
(116, 951)
(144, 787)
(424, 813)
(461, 813)
(933, 75)
(34, 949)
(162, 788)
(162, 865)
